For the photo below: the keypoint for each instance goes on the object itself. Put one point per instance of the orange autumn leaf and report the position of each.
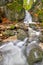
(36, 15)
(5, 20)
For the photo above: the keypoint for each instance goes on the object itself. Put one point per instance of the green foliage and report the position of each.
(16, 5)
(41, 15)
(42, 0)
(28, 4)
(37, 11)
(12, 27)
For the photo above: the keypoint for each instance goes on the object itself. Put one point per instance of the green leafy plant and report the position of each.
(12, 27)
(37, 11)
(28, 4)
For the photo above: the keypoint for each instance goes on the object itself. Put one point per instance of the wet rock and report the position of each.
(34, 26)
(35, 56)
(21, 35)
(33, 34)
(8, 33)
(12, 38)
(41, 37)
(21, 25)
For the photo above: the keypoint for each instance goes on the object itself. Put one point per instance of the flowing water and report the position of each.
(13, 52)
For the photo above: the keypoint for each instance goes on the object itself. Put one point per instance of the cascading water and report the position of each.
(14, 52)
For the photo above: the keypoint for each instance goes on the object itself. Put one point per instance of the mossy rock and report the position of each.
(8, 33)
(12, 15)
(21, 35)
(41, 38)
(15, 10)
(35, 55)
(41, 25)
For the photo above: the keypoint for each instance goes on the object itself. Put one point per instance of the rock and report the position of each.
(0, 35)
(41, 38)
(21, 25)
(33, 34)
(41, 45)
(8, 33)
(21, 35)
(35, 56)
(12, 38)
(15, 10)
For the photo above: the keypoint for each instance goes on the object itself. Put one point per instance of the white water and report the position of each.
(12, 55)
(28, 18)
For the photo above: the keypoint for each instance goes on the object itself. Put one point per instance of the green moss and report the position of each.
(34, 59)
(8, 33)
(41, 15)
(15, 10)
(12, 27)
(21, 35)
